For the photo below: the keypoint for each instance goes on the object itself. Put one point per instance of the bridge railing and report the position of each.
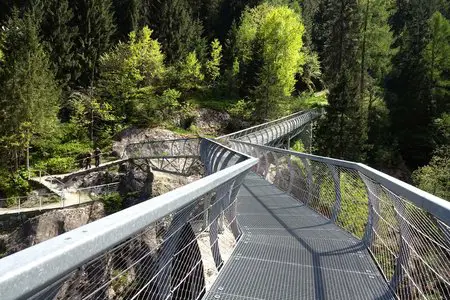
(268, 132)
(406, 230)
(169, 247)
(161, 148)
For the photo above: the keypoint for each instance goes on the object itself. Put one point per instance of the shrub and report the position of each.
(60, 165)
(298, 147)
(241, 109)
(112, 201)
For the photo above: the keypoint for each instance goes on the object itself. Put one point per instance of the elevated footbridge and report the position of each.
(263, 223)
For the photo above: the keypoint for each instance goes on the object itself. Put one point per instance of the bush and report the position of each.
(14, 184)
(193, 129)
(112, 202)
(298, 147)
(241, 109)
(60, 165)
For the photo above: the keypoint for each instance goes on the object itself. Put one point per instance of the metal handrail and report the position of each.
(47, 262)
(432, 204)
(253, 128)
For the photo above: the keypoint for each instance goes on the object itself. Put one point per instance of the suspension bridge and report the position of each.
(264, 222)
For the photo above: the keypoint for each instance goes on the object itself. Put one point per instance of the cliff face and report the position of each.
(138, 183)
(48, 225)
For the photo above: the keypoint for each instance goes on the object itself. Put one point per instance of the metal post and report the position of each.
(310, 136)
(206, 201)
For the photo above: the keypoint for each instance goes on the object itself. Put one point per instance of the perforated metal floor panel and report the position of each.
(288, 251)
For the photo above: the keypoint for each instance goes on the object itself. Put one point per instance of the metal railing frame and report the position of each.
(243, 133)
(436, 206)
(45, 263)
(398, 192)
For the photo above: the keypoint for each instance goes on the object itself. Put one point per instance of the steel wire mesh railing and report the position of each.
(163, 148)
(271, 132)
(170, 247)
(406, 230)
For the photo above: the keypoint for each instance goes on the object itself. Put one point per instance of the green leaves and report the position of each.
(30, 95)
(132, 73)
(437, 54)
(268, 46)
(433, 178)
(213, 64)
(191, 76)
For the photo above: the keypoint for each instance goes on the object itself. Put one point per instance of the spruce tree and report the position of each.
(59, 33)
(30, 95)
(178, 31)
(96, 30)
(128, 15)
(342, 132)
(409, 95)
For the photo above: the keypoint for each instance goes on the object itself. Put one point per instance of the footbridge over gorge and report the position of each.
(263, 223)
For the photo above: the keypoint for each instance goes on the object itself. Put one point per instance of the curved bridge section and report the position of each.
(276, 132)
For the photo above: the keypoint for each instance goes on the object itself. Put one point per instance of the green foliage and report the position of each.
(412, 99)
(241, 109)
(438, 59)
(132, 74)
(311, 73)
(60, 165)
(354, 204)
(305, 101)
(434, 178)
(59, 36)
(178, 30)
(13, 184)
(268, 46)
(190, 73)
(89, 117)
(213, 64)
(30, 96)
(341, 132)
(96, 28)
(298, 147)
(112, 201)
(129, 14)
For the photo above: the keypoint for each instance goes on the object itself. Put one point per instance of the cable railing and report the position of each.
(272, 131)
(68, 198)
(163, 148)
(170, 247)
(406, 230)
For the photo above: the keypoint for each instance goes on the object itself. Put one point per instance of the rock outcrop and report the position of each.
(48, 225)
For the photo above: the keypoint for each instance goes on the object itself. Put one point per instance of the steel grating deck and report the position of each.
(287, 251)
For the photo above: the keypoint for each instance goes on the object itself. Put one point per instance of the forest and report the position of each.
(74, 73)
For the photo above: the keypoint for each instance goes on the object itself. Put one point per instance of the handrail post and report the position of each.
(309, 179)
(337, 190)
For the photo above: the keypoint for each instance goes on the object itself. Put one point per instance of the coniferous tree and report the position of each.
(268, 45)
(128, 15)
(96, 30)
(59, 36)
(178, 31)
(409, 96)
(30, 95)
(342, 132)
(375, 57)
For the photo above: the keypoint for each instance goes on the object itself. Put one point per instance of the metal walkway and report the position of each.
(288, 251)
(310, 227)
